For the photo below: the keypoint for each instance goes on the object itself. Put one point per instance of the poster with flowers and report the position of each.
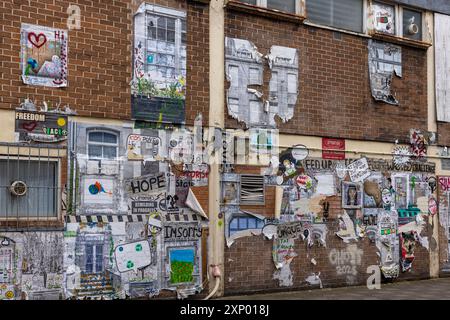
(44, 56)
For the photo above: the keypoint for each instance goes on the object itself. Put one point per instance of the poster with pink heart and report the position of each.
(44, 56)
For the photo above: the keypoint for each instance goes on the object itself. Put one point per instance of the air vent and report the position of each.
(18, 188)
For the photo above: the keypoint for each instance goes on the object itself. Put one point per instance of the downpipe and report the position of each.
(215, 270)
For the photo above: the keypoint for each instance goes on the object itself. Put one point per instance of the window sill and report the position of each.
(270, 13)
(320, 26)
(399, 40)
(201, 1)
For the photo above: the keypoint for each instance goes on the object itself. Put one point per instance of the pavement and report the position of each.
(435, 289)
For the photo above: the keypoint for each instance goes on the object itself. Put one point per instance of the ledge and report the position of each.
(399, 40)
(270, 13)
(201, 1)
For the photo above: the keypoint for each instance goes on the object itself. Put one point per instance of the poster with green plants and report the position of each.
(181, 265)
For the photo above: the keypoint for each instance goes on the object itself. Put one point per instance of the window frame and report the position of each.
(299, 9)
(365, 11)
(102, 144)
(232, 231)
(22, 216)
(398, 8)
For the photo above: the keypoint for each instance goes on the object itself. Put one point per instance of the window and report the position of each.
(28, 188)
(409, 24)
(291, 6)
(342, 14)
(94, 258)
(252, 190)
(244, 223)
(102, 145)
(412, 24)
(384, 17)
(164, 45)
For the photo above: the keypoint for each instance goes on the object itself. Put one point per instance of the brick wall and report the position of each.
(99, 55)
(335, 98)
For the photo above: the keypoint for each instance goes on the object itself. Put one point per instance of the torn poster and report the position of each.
(384, 60)
(244, 68)
(283, 84)
(346, 228)
(384, 18)
(44, 56)
(314, 279)
(387, 244)
(408, 245)
(132, 256)
(283, 254)
(359, 170)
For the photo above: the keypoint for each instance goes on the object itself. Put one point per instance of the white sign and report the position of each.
(132, 256)
(359, 170)
(300, 152)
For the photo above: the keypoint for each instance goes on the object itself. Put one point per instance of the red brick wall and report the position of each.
(335, 98)
(99, 55)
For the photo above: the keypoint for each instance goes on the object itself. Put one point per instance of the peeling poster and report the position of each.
(384, 60)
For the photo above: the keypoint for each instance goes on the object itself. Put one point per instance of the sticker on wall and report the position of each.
(44, 56)
(352, 195)
(41, 126)
(333, 149)
(98, 190)
(132, 256)
(146, 185)
(401, 156)
(139, 146)
(359, 170)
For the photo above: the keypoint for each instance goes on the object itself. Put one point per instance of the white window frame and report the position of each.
(299, 10)
(102, 144)
(398, 18)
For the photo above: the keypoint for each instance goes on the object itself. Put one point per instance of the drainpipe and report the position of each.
(216, 241)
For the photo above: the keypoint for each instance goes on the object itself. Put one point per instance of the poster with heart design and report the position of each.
(44, 56)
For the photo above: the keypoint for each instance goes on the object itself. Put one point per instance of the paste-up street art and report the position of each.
(283, 253)
(244, 69)
(44, 56)
(384, 18)
(159, 79)
(384, 60)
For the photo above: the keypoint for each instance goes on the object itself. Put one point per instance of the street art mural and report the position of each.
(44, 56)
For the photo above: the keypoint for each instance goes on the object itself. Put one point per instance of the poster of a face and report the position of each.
(44, 56)
(352, 195)
(384, 18)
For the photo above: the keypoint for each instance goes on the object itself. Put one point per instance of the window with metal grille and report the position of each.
(252, 190)
(291, 6)
(28, 188)
(102, 145)
(342, 14)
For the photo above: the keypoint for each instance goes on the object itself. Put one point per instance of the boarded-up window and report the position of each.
(252, 190)
(442, 49)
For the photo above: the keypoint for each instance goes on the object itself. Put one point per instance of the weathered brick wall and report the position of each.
(99, 55)
(335, 98)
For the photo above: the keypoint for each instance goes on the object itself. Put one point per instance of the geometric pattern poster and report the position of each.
(44, 56)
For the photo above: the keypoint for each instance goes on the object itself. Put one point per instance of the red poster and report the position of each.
(333, 144)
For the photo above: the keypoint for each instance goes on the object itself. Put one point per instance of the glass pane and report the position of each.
(109, 152)
(412, 24)
(152, 32)
(252, 223)
(171, 36)
(344, 14)
(89, 259)
(162, 23)
(183, 38)
(94, 151)
(183, 25)
(242, 223)
(96, 136)
(162, 34)
(109, 138)
(170, 24)
(99, 258)
(234, 224)
(282, 5)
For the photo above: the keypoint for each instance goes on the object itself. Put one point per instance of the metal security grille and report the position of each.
(29, 182)
(252, 190)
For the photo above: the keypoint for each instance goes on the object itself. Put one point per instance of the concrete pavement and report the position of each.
(435, 289)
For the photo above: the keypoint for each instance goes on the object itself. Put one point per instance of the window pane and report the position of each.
(249, 1)
(242, 223)
(344, 14)
(170, 24)
(282, 5)
(252, 223)
(96, 136)
(162, 34)
(95, 151)
(234, 224)
(109, 138)
(171, 36)
(412, 24)
(109, 152)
